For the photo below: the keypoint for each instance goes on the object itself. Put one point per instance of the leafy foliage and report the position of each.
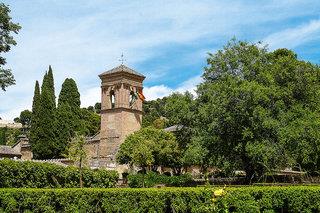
(241, 199)
(249, 106)
(53, 127)
(177, 109)
(44, 141)
(25, 118)
(68, 114)
(106, 200)
(7, 27)
(153, 110)
(9, 136)
(149, 147)
(90, 122)
(69, 94)
(27, 174)
(35, 119)
(77, 153)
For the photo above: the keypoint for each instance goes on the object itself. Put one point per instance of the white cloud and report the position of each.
(189, 85)
(293, 37)
(160, 91)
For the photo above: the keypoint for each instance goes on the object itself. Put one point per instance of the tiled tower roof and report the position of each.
(122, 68)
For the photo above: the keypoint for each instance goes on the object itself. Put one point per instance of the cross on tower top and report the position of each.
(122, 59)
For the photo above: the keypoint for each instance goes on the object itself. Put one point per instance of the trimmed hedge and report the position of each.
(273, 199)
(105, 200)
(242, 199)
(151, 179)
(28, 174)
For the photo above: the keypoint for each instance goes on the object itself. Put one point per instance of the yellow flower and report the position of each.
(219, 192)
(213, 200)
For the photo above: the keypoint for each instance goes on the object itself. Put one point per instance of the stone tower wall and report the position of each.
(121, 120)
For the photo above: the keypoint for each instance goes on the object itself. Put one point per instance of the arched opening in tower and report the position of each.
(132, 98)
(112, 99)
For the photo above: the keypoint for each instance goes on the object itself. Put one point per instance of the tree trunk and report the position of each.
(80, 168)
(249, 169)
(143, 174)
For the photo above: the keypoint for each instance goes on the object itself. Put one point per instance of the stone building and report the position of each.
(121, 115)
(20, 150)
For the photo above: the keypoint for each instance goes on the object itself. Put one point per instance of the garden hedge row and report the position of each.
(151, 179)
(28, 174)
(245, 199)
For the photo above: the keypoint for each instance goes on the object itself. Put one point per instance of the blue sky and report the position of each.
(165, 40)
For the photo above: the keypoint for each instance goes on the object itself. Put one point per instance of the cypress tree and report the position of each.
(68, 113)
(36, 99)
(44, 81)
(69, 94)
(35, 117)
(45, 147)
(65, 128)
(50, 85)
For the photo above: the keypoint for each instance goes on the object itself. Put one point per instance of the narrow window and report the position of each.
(132, 98)
(112, 99)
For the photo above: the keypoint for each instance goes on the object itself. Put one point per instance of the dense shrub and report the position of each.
(246, 199)
(15, 174)
(273, 199)
(151, 179)
(105, 200)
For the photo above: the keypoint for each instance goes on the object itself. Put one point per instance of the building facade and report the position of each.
(121, 114)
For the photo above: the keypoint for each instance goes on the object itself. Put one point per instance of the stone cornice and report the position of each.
(121, 109)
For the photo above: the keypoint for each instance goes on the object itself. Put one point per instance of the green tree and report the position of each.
(97, 107)
(49, 84)
(25, 118)
(7, 28)
(149, 148)
(77, 153)
(246, 103)
(35, 117)
(90, 122)
(45, 143)
(159, 123)
(65, 127)
(16, 120)
(69, 94)
(68, 114)
(180, 110)
(90, 108)
(153, 110)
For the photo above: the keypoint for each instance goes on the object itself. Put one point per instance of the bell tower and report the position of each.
(121, 108)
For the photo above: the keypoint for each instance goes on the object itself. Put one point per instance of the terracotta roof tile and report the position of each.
(121, 68)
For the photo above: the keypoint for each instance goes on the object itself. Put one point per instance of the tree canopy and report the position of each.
(52, 128)
(68, 114)
(149, 148)
(258, 110)
(44, 141)
(7, 27)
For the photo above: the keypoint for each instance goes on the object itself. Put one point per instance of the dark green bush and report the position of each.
(151, 179)
(273, 199)
(105, 200)
(242, 199)
(27, 174)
